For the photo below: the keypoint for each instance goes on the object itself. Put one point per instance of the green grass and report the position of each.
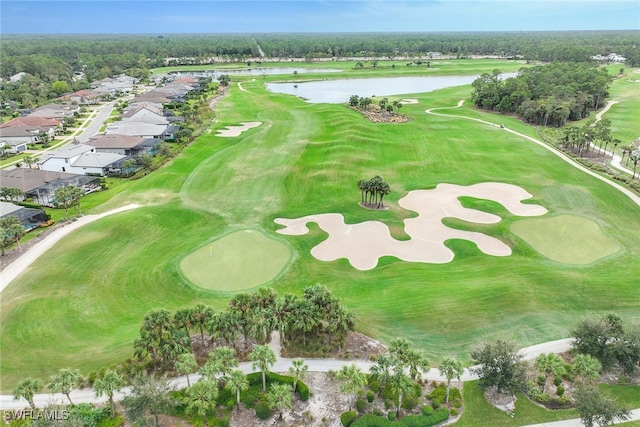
(240, 260)
(81, 304)
(569, 239)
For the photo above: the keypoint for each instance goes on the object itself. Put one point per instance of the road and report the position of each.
(104, 111)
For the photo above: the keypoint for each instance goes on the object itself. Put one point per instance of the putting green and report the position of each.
(240, 260)
(569, 239)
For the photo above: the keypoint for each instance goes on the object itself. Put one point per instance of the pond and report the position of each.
(339, 90)
(258, 71)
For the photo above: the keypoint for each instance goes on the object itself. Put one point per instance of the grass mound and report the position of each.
(240, 260)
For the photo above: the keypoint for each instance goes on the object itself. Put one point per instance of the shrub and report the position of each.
(370, 396)
(377, 412)
(361, 405)
(438, 416)
(457, 404)
(391, 416)
(541, 380)
(454, 412)
(409, 403)
(427, 410)
(388, 404)
(371, 420)
(560, 390)
(347, 418)
(557, 381)
(435, 402)
(263, 411)
(561, 400)
(440, 393)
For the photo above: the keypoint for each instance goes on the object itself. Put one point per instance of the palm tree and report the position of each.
(381, 371)
(110, 383)
(222, 360)
(401, 384)
(184, 318)
(262, 357)
(185, 364)
(280, 398)
(200, 398)
(236, 382)
(65, 380)
(297, 370)
(26, 389)
(353, 377)
(587, 367)
(202, 315)
(549, 364)
(450, 368)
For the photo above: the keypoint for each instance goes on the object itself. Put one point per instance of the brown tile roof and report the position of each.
(27, 179)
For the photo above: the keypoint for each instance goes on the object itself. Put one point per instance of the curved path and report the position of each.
(561, 155)
(616, 161)
(19, 265)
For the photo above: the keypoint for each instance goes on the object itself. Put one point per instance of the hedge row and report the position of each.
(301, 388)
(370, 420)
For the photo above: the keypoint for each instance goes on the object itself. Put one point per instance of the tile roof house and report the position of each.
(29, 218)
(146, 115)
(85, 96)
(128, 145)
(60, 160)
(40, 185)
(133, 128)
(55, 111)
(26, 129)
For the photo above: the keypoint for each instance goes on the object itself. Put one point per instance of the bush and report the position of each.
(347, 418)
(377, 412)
(263, 411)
(388, 404)
(427, 410)
(371, 420)
(361, 405)
(541, 380)
(391, 416)
(440, 393)
(454, 412)
(557, 381)
(409, 403)
(438, 416)
(561, 400)
(560, 390)
(370, 396)
(435, 402)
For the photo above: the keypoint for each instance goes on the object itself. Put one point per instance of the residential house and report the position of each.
(20, 131)
(40, 185)
(61, 160)
(30, 218)
(99, 164)
(145, 130)
(145, 114)
(85, 97)
(55, 111)
(129, 145)
(17, 77)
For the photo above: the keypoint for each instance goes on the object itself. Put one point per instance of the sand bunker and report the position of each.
(232, 131)
(409, 101)
(364, 243)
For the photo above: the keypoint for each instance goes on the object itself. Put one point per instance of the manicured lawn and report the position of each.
(82, 303)
(240, 260)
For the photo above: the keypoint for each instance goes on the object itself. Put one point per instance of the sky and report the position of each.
(240, 16)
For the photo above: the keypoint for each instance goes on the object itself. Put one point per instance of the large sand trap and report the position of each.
(232, 131)
(409, 101)
(364, 243)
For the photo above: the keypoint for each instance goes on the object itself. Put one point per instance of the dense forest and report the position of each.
(546, 95)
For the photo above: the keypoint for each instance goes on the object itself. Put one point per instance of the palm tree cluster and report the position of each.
(373, 191)
(390, 371)
(250, 318)
(583, 141)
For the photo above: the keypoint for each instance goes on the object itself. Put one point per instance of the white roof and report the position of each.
(97, 160)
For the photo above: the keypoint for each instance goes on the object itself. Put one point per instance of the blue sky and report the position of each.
(240, 16)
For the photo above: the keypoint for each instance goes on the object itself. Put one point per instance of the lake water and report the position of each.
(339, 90)
(258, 71)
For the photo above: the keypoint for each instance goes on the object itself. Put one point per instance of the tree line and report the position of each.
(547, 95)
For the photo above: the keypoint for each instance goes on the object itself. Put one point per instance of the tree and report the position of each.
(128, 166)
(596, 409)
(26, 389)
(400, 384)
(297, 369)
(200, 398)
(549, 364)
(150, 397)
(587, 367)
(186, 364)
(353, 379)
(60, 87)
(224, 80)
(221, 361)
(236, 382)
(262, 357)
(10, 231)
(160, 339)
(65, 380)
(280, 397)
(501, 365)
(110, 383)
(409, 357)
(381, 370)
(67, 196)
(451, 368)
(201, 316)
